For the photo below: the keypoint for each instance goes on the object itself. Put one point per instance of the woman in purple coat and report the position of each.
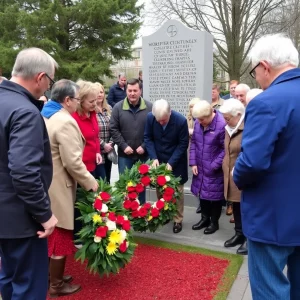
(206, 156)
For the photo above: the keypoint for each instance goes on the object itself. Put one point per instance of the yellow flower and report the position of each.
(115, 237)
(150, 218)
(130, 183)
(111, 248)
(97, 219)
(166, 206)
(165, 186)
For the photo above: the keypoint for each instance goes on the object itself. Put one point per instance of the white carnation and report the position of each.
(123, 235)
(104, 208)
(97, 239)
(111, 225)
(168, 178)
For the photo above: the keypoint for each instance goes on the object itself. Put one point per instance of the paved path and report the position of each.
(241, 288)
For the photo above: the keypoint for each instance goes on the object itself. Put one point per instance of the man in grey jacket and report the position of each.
(127, 125)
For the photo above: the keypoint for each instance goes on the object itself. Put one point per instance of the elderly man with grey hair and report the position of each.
(241, 91)
(167, 138)
(26, 219)
(267, 171)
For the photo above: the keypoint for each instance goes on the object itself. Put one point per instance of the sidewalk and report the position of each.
(241, 287)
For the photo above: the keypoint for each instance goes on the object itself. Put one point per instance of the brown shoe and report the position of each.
(229, 210)
(58, 287)
(231, 220)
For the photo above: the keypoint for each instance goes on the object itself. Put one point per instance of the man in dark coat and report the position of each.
(127, 125)
(26, 173)
(117, 92)
(167, 139)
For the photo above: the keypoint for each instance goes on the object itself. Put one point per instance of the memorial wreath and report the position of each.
(106, 235)
(149, 216)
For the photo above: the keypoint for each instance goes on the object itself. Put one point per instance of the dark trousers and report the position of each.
(24, 269)
(104, 170)
(236, 208)
(77, 214)
(211, 209)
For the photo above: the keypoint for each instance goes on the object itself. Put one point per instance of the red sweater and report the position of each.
(90, 130)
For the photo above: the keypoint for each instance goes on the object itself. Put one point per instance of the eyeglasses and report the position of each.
(252, 72)
(51, 81)
(78, 99)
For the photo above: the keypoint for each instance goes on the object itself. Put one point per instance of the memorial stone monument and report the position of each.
(177, 65)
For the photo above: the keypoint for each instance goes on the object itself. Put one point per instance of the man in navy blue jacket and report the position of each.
(117, 92)
(26, 219)
(166, 138)
(268, 171)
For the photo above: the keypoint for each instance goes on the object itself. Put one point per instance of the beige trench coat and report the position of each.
(232, 150)
(67, 145)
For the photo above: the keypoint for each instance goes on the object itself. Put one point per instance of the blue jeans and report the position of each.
(128, 162)
(266, 263)
(24, 268)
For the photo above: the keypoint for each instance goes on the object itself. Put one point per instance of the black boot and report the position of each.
(237, 239)
(243, 249)
(204, 222)
(216, 209)
(212, 228)
(198, 211)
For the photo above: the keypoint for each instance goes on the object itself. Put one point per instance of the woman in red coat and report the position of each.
(86, 119)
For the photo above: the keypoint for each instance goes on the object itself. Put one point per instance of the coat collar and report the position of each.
(127, 107)
(286, 76)
(14, 87)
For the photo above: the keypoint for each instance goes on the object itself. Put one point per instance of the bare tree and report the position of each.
(235, 25)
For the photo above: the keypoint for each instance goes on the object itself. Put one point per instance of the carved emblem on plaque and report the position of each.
(171, 30)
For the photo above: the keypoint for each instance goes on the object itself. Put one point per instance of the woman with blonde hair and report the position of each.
(103, 111)
(86, 119)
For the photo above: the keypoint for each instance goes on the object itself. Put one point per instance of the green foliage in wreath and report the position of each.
(149, 216)
(106, 234)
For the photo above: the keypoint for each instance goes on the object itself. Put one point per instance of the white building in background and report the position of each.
(130, 67)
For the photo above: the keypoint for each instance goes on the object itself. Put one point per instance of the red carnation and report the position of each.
(126, 225)
(167, 197)
(98, 204)
(147, 206)
(123, 247)
(139, 188)
(120, 220)
(143, 169)
(132, 195)
(103, 214)
(169, 191)
(174, 200)
(131, 188)
(160, 204)
(145, 180)
(134, 205)
(154, 212)
(143, 212)
(105, 196)
(161, 180)
(101, 231)
(135, 214)
(127, 204)
(112, 216)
